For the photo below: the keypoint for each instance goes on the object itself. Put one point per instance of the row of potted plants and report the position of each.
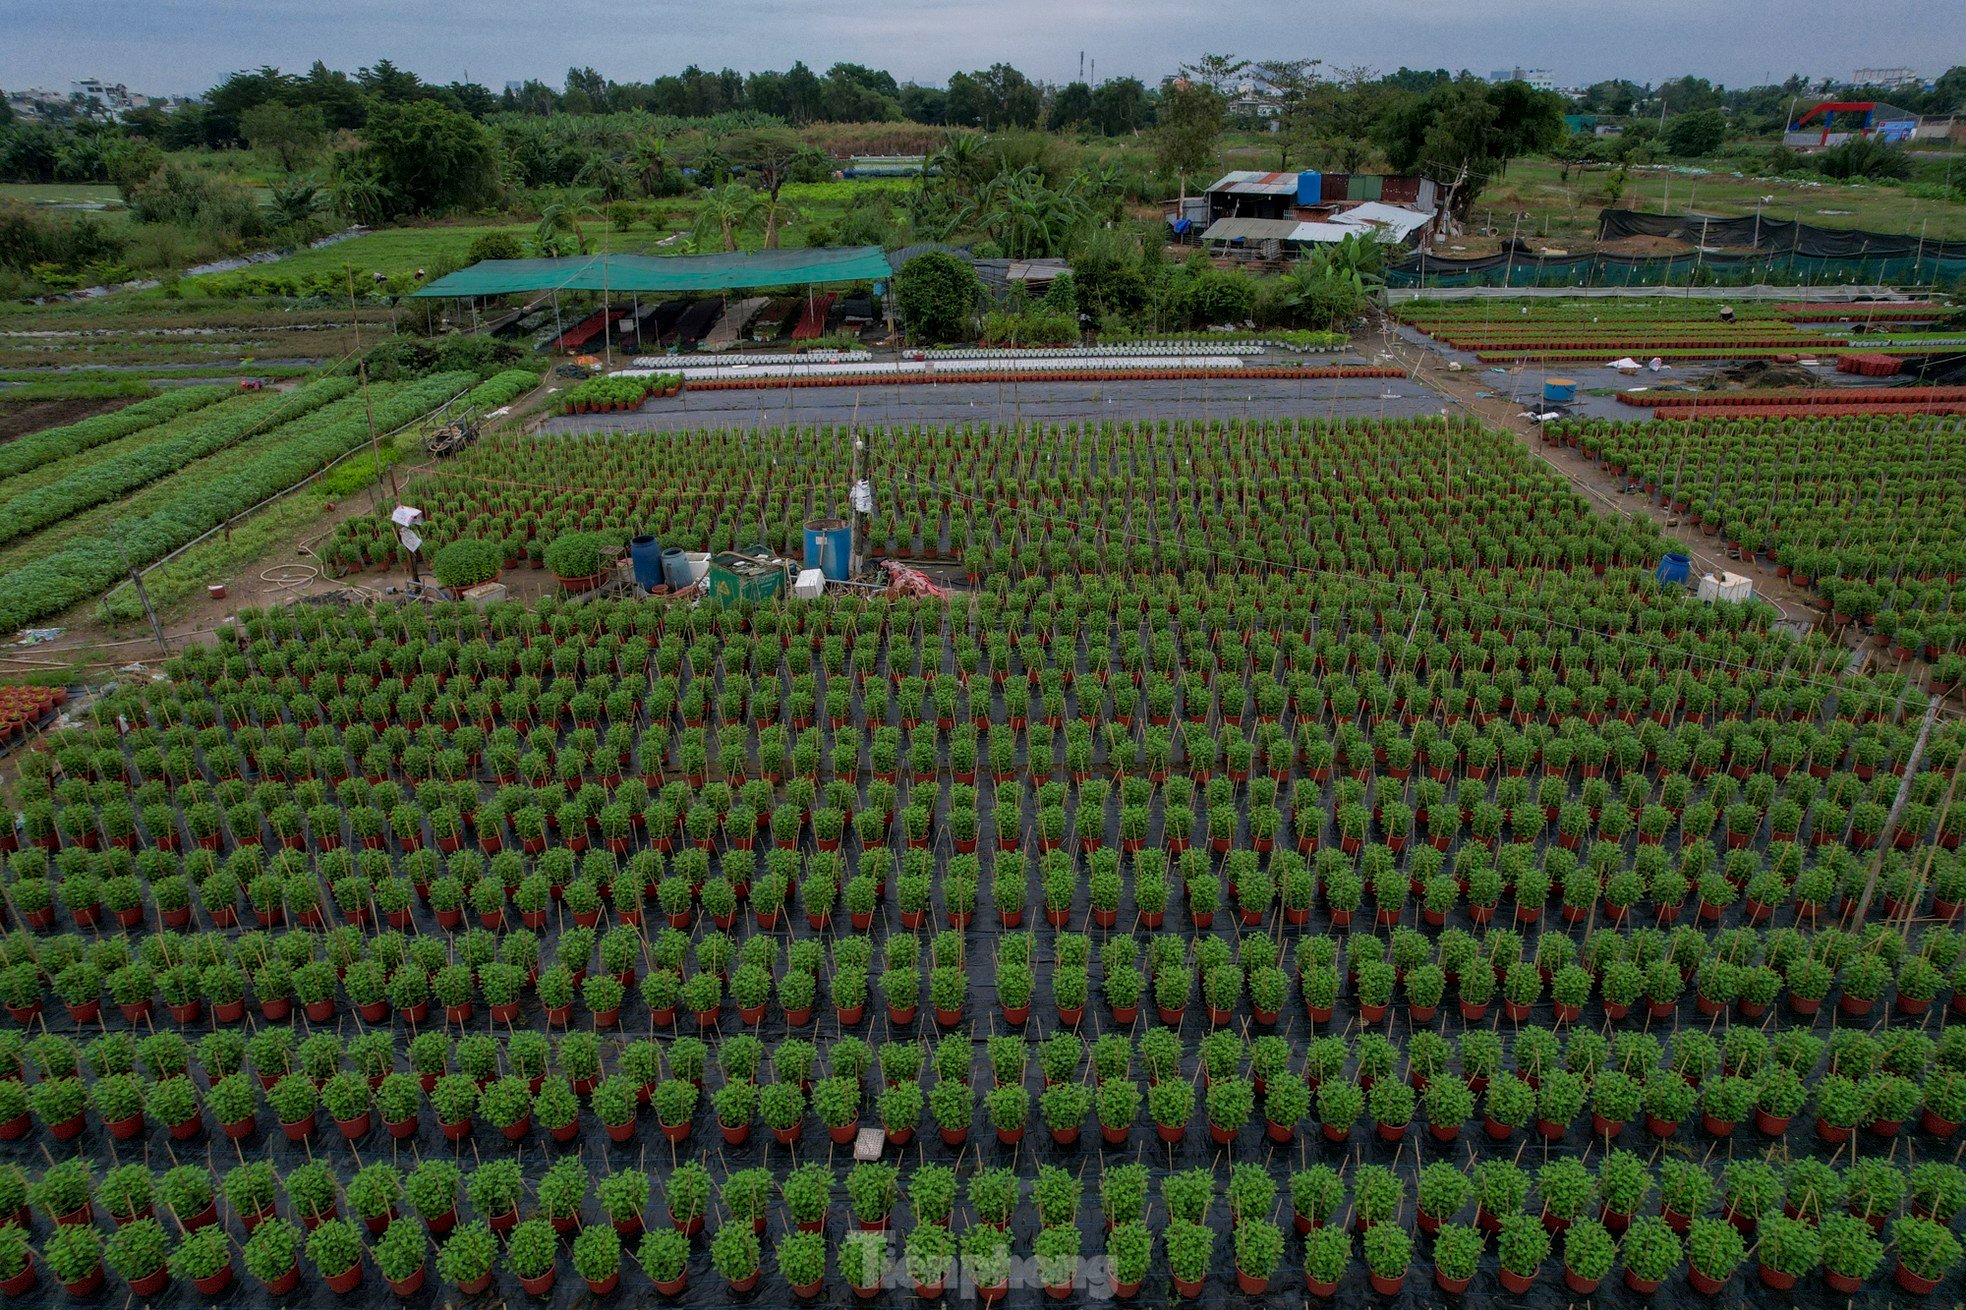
(1787, 1243)
(610, 477)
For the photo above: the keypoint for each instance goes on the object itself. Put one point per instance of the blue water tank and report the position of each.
(645, 554)
(1310, 187)
(828, 544)
(1674, 569)
(1559, 391)
(675, 568)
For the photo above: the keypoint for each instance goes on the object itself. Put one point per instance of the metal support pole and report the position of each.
(136, 580)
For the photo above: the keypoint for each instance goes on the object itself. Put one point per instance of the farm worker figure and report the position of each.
(1727, 313)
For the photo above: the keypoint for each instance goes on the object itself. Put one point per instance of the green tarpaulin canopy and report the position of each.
(640, 273)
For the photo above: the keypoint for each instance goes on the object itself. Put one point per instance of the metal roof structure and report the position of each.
(1245, 182)
(1251, 229)
(1277, 229)
(1396, 219)
(645, 273)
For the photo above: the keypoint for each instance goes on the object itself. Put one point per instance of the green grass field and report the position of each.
(1537, 189)
(393, 252)
(62, 193)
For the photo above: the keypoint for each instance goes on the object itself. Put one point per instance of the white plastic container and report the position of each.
(1728, 588)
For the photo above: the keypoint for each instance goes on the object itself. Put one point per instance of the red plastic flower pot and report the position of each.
(406, 1287)
(1451, 1286)
(1387, 1286)
(1643, 1286)
(1776, 1279)
(151, 1283)
(1514, 1282)
(288, 1281)
(1188, 1289)
(598, 1286)
(543, 1284)
(23, 1282)
(346, 1281)
(1916, 1284)
(214, 1284)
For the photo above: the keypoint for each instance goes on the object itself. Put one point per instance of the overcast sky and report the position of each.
(174, 46)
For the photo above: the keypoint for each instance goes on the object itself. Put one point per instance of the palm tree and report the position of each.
(958, 160)
(605, 174)
(1028, 218)
(563, 216)
(647, 160)
(731, 209)
(295, 200)
(359, 191)
(778, 213)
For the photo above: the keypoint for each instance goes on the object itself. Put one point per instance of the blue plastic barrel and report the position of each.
(828, 542)
(675, 568)
(645, 554)
(1674, 569)
(1559, 391)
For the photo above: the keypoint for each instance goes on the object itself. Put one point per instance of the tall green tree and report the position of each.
(293, 134)
(429, 158)
(1696, 134)
(1190, 123)
(937, 294)
(1462, 133)
(1121, 105)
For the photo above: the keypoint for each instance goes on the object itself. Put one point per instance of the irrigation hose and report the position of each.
(283, 577)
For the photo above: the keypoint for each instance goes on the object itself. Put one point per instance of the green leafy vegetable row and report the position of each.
(502, 388)
(37, 449)
(112, 477)
(52, 584)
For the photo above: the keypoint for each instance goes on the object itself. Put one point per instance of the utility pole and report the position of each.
(136, 580)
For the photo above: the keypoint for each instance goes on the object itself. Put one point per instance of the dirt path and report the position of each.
(1465, 390)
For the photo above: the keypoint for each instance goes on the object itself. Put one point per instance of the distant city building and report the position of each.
(1540, 79)
(1250, 102)
(88, 98)
(1883, 77)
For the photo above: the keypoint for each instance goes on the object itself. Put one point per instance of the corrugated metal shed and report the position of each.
(1399, 190)
(1251, 229)
(1245, 182)
(1281, 230)
(1392, 219)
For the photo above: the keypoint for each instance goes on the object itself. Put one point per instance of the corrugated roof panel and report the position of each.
(1248, 182)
